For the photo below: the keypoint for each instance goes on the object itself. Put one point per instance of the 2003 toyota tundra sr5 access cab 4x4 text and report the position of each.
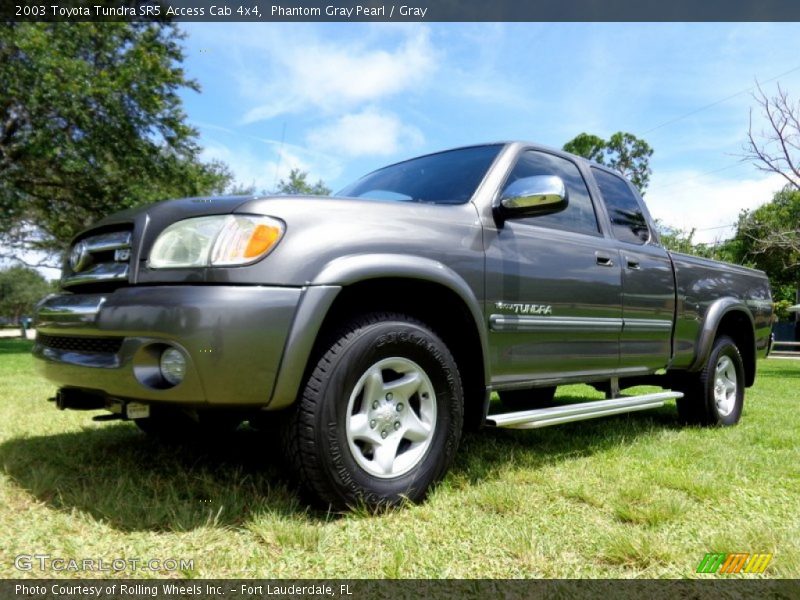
(372, 327)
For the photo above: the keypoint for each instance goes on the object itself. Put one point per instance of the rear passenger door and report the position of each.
(648, 286)
(553, 286)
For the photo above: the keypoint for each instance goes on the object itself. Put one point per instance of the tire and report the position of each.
(175, 424)
(516, 400)
(380, 416)
(715, 395)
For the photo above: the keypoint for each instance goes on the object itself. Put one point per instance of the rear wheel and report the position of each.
(715, 395)
(530, 399)
(380, 417)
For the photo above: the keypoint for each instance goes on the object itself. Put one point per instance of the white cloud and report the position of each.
(366, 133)
(708, 204)
(307, 73)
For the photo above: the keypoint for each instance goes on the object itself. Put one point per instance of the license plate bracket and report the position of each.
(137, 410)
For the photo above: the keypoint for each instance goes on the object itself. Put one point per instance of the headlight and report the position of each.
(222, 240)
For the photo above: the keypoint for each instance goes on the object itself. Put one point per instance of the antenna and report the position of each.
(280, 157)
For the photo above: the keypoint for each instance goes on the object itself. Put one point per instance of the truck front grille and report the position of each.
(99, 259)
(69, 343)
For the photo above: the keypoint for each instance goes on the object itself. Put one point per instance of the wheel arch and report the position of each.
(731, 317)
(422, 288)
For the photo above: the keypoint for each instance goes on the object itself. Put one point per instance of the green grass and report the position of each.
(629, 496)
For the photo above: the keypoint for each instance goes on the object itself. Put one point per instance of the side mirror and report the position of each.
(530, 196)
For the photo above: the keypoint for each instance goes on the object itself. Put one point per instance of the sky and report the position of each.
(340, 99)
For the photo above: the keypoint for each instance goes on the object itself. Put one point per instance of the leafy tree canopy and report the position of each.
(623, 152)
(768, 238)
(298, 184)
(90, 123)
(587, 145)
(20, 288)
(681, 240)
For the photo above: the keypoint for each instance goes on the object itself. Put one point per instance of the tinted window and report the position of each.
(579, 215)
(445, 178)
(627, 218)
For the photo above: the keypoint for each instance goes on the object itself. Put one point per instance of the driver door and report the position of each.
(553, 286)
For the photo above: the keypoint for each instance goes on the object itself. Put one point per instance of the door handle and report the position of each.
(632, 263)
(604, 260)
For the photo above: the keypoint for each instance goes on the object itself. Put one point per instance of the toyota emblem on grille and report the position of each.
(79, 257)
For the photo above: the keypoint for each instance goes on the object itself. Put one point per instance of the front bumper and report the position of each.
(233, 338)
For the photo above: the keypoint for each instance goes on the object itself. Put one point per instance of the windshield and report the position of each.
(449, 177)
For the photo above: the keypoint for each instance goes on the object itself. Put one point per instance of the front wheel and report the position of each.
(380, 417)
(715, 395)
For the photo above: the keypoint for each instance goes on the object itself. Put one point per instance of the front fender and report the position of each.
(347, 270)
(320, 293)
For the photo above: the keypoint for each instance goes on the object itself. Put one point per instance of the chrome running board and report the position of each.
(555, 415)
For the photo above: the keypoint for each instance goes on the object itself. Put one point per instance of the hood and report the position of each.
(174, 210)
(319, 230)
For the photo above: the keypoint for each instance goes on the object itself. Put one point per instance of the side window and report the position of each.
(627, 219)
(579, 216)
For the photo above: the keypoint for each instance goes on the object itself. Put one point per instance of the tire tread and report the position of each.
(297, 434)
(696, 408)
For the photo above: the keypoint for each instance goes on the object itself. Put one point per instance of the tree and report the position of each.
(587, 145)
(297, 185)
(90, 123)
(20, 288)
(623, 152)
(677, 240)
(241, 189)
(776, 149)
(769, 238)
(681, 240)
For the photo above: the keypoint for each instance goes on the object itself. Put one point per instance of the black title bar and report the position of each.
(411, 589)
(403, 11)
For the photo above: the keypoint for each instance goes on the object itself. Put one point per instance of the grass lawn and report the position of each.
(628, 496)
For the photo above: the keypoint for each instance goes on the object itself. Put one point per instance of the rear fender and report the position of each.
(708, 333)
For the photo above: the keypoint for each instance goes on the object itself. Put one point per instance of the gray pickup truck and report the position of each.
(371, 328)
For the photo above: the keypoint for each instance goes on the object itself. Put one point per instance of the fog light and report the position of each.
(173, 365)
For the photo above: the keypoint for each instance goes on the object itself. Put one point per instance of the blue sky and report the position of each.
(341, 99)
